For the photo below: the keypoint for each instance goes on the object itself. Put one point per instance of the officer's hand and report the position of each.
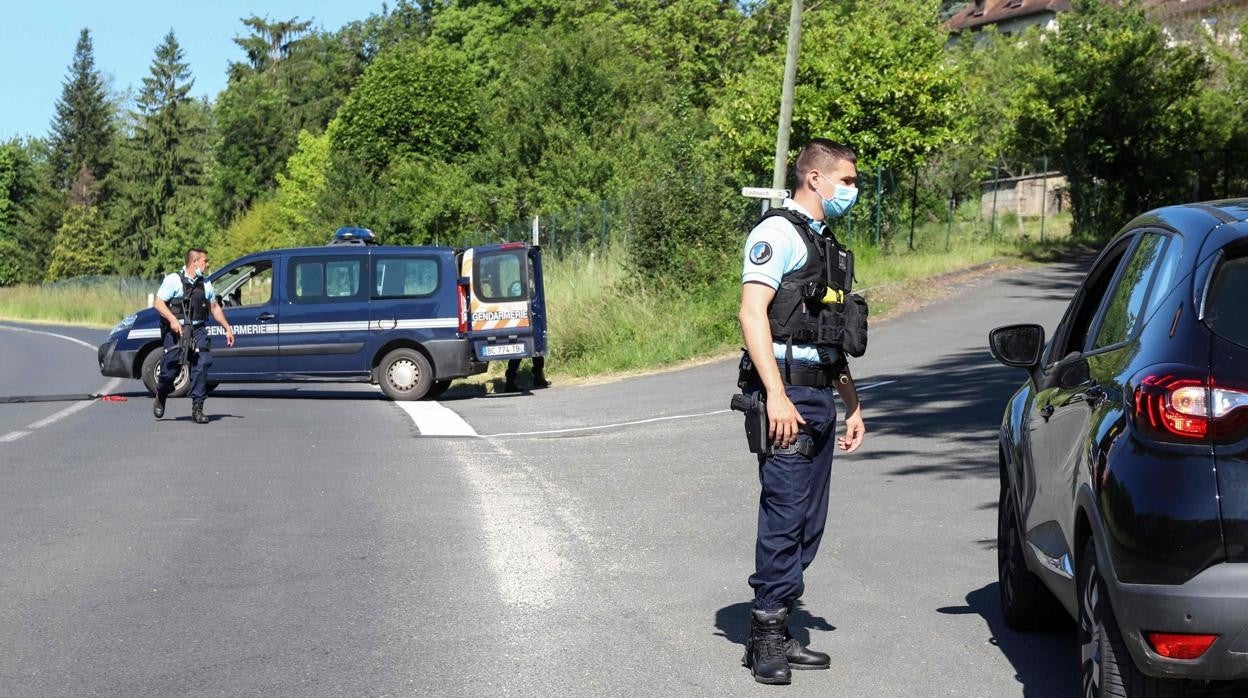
(854, 432)
(783, 420)
(176, 328)
(229, 337)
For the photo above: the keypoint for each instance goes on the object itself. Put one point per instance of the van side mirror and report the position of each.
(1019, 346)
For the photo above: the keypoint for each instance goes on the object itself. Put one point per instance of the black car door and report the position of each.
(1059, 416)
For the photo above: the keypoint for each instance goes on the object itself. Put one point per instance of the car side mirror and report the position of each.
(1019, 346)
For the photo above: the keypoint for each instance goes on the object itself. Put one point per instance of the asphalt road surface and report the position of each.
(589, 540)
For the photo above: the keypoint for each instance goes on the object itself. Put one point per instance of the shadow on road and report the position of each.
(1046, 663)
(734, 623)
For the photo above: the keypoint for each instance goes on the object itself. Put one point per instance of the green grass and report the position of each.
(601, 323)
(97, 305)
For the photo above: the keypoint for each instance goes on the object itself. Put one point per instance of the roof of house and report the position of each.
(984, 12)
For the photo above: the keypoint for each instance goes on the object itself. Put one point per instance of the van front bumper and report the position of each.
(115, 363)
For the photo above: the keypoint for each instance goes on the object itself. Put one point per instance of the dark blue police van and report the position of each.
(409, 319)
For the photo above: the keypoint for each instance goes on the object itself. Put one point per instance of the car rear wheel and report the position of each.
(405, 374)
(1026, 602)
(1106, 668)
(151, 373)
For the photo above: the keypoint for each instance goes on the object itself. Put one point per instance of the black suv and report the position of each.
(1124, 460)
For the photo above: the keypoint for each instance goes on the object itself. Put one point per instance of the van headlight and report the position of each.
(126, 323)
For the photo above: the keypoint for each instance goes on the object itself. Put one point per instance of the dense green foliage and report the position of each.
(434, 121)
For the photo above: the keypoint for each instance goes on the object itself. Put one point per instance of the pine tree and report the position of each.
(81, 246)
(162, 161)
(82, 130)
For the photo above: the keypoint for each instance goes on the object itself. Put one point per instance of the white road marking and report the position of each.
(76, 407)
(609, 426)
(50, 334)
(432, 419)
(51, 419)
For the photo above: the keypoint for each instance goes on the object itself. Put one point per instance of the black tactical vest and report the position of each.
(194, 300)
(799, 314)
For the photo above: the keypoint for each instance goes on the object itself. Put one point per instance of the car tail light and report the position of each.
(1180, 645)
(1182, 405)
(463, 308)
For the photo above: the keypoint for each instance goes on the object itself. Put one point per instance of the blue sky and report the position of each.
(37, 44)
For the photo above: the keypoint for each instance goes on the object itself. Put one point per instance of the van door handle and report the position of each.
(265, 317)
(1047, 411)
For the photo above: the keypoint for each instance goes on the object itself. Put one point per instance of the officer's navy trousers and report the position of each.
(171, 364)
(793, 503)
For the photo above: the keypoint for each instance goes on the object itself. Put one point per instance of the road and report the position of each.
(591, 540)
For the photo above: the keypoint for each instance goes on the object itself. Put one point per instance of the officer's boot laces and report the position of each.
(765, 650)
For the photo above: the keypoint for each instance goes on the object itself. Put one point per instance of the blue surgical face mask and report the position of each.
(842, 200)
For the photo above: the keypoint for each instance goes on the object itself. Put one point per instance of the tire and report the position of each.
(405, 374)
(436, 390)
(151, 368)
(1026, 602)
(1105, 665)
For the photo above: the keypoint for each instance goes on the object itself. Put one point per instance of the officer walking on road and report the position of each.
(184, 301)
(792, 364)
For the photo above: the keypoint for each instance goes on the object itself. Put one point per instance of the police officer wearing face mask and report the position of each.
(184, 301)
(786, 254)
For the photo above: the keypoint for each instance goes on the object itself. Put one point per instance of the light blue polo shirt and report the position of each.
(171, 287)
(775, 248)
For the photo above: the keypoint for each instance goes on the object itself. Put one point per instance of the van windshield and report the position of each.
(1226, 313)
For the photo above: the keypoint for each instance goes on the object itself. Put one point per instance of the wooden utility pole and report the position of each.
(786, 98)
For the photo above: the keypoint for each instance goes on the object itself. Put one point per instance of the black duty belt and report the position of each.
(805, 376)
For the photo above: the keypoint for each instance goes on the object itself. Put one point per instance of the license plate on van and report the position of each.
(502, 350)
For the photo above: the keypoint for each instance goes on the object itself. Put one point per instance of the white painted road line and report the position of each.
(50, 334)
(432, 419)
(76, 407)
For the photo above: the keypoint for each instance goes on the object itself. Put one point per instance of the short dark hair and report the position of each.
(820, 152)
(194, 251)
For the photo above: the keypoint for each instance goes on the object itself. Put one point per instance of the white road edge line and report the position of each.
(433, 419)
(640, 421)
(76, 407)
(50, 334)
(51, 419)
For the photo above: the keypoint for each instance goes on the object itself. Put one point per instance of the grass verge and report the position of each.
(601, 324)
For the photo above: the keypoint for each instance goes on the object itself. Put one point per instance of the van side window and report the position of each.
(405, 277)
(321, 279)
(246, 285)
(501, 276)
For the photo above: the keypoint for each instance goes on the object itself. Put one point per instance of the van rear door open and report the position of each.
(506, 301)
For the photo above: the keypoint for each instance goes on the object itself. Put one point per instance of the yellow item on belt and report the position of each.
(834, 295)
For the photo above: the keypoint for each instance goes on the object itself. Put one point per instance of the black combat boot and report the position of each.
(509, 386)
(803, 657)
(765, 650)
(539, 380)
(158, 406)
(197, 414)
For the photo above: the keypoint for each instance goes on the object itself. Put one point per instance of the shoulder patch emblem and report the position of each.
(760, 253)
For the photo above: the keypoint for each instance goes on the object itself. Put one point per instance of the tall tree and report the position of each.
(1118, 103)
(82, 130)
(18, 187)
(162, 158)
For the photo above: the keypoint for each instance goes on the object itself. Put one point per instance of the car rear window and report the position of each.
(500, 276)
(1226, 312)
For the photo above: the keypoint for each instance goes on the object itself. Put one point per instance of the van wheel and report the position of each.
(437, 389)
(405, 374)
(151, 370)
